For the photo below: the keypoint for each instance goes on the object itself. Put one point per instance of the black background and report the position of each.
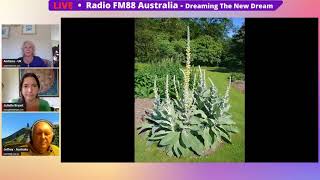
(281, 98)
(97, 115)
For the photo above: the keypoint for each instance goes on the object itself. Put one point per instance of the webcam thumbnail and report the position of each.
(30, 45)
(30, 90)
(30, 134)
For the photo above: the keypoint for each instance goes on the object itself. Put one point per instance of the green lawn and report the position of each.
(226, 152)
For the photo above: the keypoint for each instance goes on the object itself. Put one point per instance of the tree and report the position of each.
(164, 38)
(234, 51)
(206, 51)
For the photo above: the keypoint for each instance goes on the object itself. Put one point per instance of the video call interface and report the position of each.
(30, 89)
(161, 90)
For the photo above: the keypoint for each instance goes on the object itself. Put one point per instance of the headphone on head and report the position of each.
(38, 121)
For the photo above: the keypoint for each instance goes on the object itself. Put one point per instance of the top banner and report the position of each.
(156, 5)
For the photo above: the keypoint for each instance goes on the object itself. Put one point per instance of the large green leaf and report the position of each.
(185, 138)
(185, 151)
(169, 150)
(224, 134)
(207, 137)
(157, 138)
(144, 126)
(161, 133)
(192, 141)
(203, 115)
(225, 121)
(169, 139)
(231, 129)
(164, 122)
(158, 135)
(216, 132)
(154, 129)
(160, 113)
(212, 121)
(176, 148)
(195, 128)
(195, 120)
(152, 119)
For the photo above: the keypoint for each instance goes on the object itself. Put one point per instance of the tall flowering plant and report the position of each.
(193, 123)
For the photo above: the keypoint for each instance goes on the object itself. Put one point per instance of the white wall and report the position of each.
(45, 36)
(55, 35)
(10, 80)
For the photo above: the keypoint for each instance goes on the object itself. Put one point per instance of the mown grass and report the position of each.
(225, 152)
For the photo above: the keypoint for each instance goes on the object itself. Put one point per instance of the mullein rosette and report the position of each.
(192, 123)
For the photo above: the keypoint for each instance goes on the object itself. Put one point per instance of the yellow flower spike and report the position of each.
(187, 73)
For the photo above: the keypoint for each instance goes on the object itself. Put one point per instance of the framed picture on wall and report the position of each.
(28, 29)
(48, 81)
(5, 32)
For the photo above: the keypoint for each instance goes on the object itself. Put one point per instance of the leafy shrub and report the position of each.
(237, 76)
(144, 77)
(192, 122)
(143, 83)
(207, 51)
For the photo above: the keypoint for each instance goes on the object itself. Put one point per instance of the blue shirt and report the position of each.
(36, 62)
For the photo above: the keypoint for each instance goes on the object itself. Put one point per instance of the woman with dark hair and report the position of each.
(29, 89)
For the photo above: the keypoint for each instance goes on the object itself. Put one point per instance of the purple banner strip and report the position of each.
(136, 5)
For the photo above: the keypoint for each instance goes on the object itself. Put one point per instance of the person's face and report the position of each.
(30, 88)
(27, 49)
(42, 136)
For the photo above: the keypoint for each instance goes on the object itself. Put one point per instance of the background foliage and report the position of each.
(158, 39)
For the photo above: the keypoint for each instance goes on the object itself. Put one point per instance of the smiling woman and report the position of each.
(28, 56)
(29, 89)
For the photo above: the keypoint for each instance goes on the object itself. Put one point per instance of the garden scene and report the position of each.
(189, 90)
